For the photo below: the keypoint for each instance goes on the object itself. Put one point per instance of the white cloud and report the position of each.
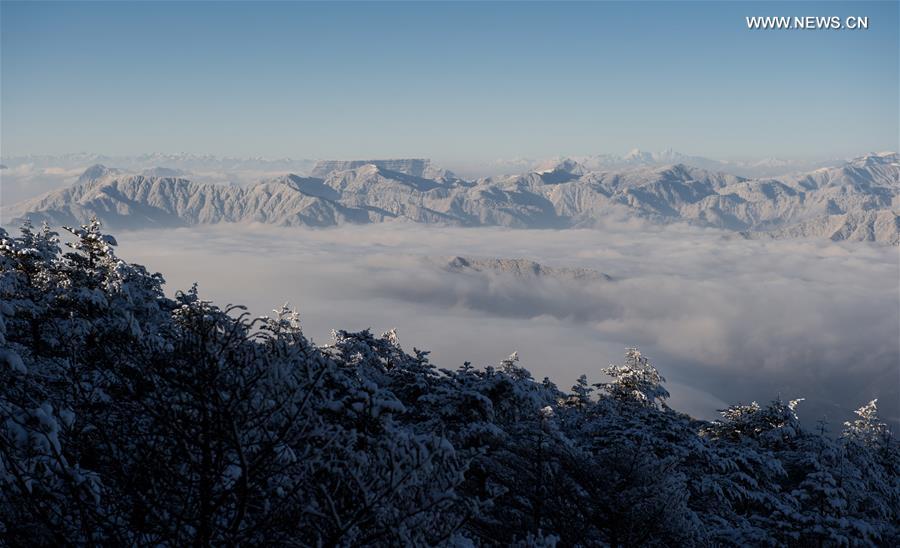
(725, 319)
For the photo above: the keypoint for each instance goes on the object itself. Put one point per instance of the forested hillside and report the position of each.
(128, 418)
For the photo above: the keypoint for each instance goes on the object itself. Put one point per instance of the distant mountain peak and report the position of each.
(877, 158)
(416, 167)
(637, 154)
(370, 168)
(566, 165)
(163, 172)
(848, 201)
(570, 166)
(95, 172)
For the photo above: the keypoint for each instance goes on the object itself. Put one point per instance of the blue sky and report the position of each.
(447, 81)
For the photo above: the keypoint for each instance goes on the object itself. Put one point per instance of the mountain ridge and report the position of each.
(857, 200)
(519, 268)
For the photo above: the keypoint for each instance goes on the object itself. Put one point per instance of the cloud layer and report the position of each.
(725, 319)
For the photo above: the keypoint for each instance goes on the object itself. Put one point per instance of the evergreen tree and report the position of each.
(129, 418)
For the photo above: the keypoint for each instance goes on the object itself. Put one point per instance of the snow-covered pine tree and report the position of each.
(636, 380)
(129, 418)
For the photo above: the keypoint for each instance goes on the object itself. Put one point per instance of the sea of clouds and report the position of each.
(724, 319)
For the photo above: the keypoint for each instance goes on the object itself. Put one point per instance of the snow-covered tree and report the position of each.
(130, 418)
(636, 380)
(581, 393)
(867, 429)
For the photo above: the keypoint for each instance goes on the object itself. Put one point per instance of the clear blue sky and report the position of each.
(449, 81)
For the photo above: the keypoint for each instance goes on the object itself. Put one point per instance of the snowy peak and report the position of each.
(417, 167)
(96, 172)
(567, 165)
(101, 172)
(311, 186)
(163, 172)
(570, 166)
(637, 155)
(667, 156)
(562, 172)
(570, 193)
(374, 179)
(876, 159)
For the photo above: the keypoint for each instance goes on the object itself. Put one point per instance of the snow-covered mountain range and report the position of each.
(858, 200)
(751, 168)
(196, 163)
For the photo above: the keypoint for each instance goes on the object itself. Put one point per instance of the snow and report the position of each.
(128, 417)
(852, 201)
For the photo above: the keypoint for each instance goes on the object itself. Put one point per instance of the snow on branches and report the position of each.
(129, 418)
